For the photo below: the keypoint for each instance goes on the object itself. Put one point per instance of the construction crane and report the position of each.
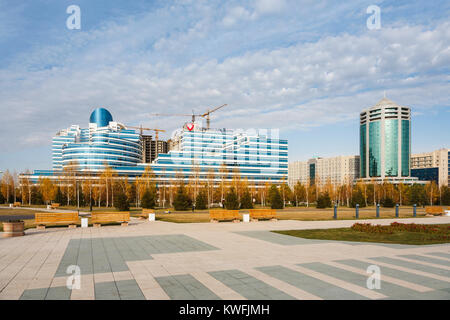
(193, 115)
(141, 129)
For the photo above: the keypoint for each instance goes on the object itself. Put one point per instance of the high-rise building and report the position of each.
(432, 166)
(385, 143)
(206, 155)
(104, 143)
(152, 148)
(320, 171)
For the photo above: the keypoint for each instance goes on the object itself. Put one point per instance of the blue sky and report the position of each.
(305, 67)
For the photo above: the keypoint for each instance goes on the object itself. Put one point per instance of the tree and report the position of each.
(7, 185)
(231, 200)
(417, 195)
(201, 200)
(246, 200)
(358, 198)
(182, 201)
(2, 198)
(323, 201)
(148, 199)
(48, 189)
(276, 202)
(59, 197)
(121, 202)
(445, 196)
(299, 193)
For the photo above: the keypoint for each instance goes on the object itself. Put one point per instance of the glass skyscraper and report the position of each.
(213, 155)
(385, 142)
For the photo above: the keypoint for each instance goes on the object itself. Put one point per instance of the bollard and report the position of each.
(396, 210)
(414, 210)
(378, 210)
(357, 211)
(335, 212)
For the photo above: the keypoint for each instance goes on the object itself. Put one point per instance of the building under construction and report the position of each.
(205, 155)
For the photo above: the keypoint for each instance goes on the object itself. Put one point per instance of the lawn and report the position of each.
(397, 236)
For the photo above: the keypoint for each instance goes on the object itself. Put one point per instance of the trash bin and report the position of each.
(151, 217)
(246, 217)
(84, 222)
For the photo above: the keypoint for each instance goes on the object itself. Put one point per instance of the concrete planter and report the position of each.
(13, 229)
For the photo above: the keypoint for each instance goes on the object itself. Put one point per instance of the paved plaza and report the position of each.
(162, 260)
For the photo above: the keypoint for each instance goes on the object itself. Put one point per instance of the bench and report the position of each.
(223, 215)
(54, 206)
(44, 218)
(98, 218)
(145, 213)
(436, 210)
(16, 204)
(263, 214)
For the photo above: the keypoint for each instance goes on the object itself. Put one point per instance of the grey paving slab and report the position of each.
(310, 284)
(399, 274)
(129, 290)
(100, 255)
(185, 287)
(58, 293)
(388, 289)
(248, 286)
(439, 254)
(106, 291)
(426, 259)
(34, 294)
(279, 238)
(411, 265)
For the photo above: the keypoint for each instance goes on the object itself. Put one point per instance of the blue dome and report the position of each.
(101, 117)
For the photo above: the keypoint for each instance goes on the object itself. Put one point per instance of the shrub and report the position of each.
(246, 200)
(231, 200)
(121, 202)
(148, 199)
(387, 203)
(182, 202)
(324, 201)
(275, 198)
(59, 198)
(201, 200)
(358, 198)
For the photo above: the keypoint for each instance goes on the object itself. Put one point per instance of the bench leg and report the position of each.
(40, 227)
(274, 219)
(124, 224)
(72, 226)
(214, 221)
(236, 220)
(254, 220)
(97, 225)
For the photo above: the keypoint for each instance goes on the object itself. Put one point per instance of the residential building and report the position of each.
(336, 170)
(432, 166)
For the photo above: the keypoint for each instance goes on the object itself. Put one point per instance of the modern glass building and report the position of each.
(385, 143)
(211, 155)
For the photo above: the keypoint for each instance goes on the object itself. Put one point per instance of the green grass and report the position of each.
(347, 234)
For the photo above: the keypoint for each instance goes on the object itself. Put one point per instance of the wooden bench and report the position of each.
(436, 210)
(44, 218)
(54, 206)
(224, 215)
(98, 218)
(263, 214)
(16, 204)
(145, 213)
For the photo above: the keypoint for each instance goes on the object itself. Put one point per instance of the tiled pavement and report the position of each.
(160, 260)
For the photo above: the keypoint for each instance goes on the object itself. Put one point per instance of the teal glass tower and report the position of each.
(385, 141)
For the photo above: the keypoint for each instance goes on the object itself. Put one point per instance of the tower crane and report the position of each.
(205, 115)
(141, 129)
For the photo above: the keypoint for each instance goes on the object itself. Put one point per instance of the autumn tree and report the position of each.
(48, 189)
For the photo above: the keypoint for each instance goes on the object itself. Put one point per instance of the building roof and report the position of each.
(101, 117)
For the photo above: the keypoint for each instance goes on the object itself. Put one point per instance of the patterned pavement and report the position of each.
(161, 260)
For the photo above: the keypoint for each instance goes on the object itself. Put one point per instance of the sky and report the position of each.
(306, 68)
